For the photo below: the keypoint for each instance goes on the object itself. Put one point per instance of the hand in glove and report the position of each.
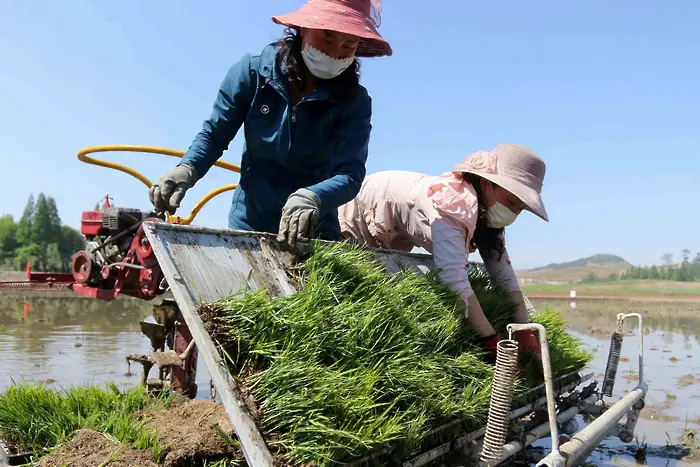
(528, 342)
(300, 215)
(167, 193)
(490, 344)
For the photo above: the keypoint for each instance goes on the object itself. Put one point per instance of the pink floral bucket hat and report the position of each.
(514, 168)
(357, 17)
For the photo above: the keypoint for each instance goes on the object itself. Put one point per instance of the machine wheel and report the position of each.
(83, 267)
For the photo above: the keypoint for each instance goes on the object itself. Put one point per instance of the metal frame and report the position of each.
(203, 264)
(252, 443)
(585, 441)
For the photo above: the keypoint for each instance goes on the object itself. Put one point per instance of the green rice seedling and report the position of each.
(37, 419)
(357, 359)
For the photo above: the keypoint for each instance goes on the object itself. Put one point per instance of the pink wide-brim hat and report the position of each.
(514, 168)
(357, 17)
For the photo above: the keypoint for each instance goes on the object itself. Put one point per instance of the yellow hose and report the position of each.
(83, 156)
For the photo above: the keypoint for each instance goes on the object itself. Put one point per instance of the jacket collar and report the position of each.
(270, 68)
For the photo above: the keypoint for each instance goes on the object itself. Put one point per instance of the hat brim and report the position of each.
(372, 44)
(530, 198)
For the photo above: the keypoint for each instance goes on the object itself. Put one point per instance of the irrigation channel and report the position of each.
(69, 341)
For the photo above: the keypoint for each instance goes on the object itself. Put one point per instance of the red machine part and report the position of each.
(137, 275)
(184, 378)
(39, 281)
(91, 224)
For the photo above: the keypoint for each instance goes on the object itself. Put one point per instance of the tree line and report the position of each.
(686, 271)
(38, 238)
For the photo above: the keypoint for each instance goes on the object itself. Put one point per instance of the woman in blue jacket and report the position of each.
(306, 120)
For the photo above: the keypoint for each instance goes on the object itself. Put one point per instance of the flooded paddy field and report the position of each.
(69, 341)
(670, 421)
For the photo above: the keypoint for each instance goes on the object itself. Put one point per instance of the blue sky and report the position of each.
(607, 93)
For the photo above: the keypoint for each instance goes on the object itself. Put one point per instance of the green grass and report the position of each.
(357, 360)
(37, 419)
(625, 287)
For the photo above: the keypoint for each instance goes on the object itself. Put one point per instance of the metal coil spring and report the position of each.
(501, 399)
(613, 361)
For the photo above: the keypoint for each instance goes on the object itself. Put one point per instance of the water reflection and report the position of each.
(71, 341)
(671, 369)
(594, 315)
(76, 341)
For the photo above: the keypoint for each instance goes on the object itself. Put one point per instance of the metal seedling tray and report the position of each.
(202, 265)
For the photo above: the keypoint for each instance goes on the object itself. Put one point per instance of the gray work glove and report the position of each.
(300, 215)
(167, 193)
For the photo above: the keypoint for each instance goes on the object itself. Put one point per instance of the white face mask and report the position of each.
(499, 216)
(321, 65)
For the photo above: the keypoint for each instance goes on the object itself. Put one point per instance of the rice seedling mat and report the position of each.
(203, 265)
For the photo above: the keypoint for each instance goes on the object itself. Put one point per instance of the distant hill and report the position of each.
(600, 260)
(602, 265)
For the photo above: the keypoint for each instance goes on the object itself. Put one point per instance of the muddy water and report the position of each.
(671, 418)
(74, 341)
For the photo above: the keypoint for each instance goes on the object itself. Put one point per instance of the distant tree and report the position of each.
(97, 207)
(24, 229)
(677, 274)
(53, 261)
(667, 259)
(670, 273)
(644, 273)
(634, 272)
(71, 242)
(654, 273)
(38, 238)
(28, 254)
(8, 239)
(696, 266)
(686, 254)
(591, 277)
(613, 277)
(686, 272)
(41, 228)
(54, 234)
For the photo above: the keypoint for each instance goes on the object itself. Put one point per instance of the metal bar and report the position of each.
(585, 441)
(531, 406)
(60, 277)
(26, 285)
(542, 400)
(252, 443)
(457, 443)
(622, 317)
(547, 371)
(538, 432)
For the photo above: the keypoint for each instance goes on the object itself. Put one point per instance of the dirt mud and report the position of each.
(90, 448)
(188, 434)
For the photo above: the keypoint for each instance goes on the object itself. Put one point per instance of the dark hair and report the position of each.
(343, 87)
(489, 241)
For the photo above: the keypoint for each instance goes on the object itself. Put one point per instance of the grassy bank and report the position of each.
(37, 419)
(92, 425)
(622, 287)
(357, 360)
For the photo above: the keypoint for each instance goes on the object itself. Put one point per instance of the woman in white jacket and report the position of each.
(452, 215)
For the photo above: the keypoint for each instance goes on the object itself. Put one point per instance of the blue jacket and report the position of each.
(320, 145)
